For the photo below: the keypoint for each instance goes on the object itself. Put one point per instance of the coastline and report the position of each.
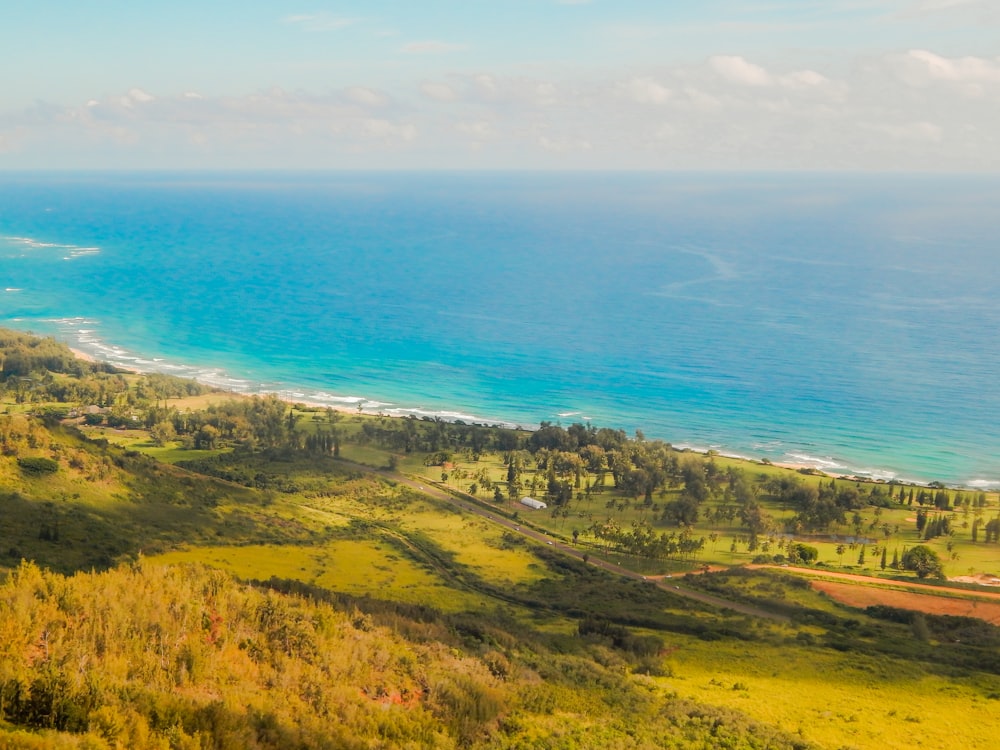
(237, 388)
(765, 361)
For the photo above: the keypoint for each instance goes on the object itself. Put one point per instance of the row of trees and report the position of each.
(641, 540)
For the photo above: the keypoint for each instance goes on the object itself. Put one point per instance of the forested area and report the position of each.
(112, 651)
(651, 496)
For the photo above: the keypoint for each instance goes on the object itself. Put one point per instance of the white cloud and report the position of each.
(645, 90)
(737, 70)
(479, 129)
(485, 84)
(920, 132)
(920, 66)
(441, 92)
(138, 95)
(909, 111)
(366, 97)
(804, 79)
(432, 47)
(564, 144)
(389, 131)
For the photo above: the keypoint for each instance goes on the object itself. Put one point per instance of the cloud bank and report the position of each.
(918, 110)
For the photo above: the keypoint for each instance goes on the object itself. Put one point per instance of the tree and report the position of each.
(162, 432)
(923, 561)
(802, 553)
(841, 549)
(205, 437)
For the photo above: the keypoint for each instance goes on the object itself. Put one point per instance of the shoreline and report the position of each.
(371, 407)
(88, 347)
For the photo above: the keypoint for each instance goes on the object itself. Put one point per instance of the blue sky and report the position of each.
(535, 84)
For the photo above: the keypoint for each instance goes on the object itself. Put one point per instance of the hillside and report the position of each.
(212, 573)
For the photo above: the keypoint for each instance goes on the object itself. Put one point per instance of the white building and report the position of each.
(532, 503)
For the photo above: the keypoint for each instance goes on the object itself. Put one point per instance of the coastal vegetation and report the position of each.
(186, 569)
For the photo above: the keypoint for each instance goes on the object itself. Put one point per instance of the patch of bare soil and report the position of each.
(866, 596)
(983, 579)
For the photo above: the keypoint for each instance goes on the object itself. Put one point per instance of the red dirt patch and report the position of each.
(867, 596)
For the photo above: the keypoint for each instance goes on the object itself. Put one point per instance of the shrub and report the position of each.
(38, 465)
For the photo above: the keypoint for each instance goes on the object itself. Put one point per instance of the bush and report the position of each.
(804, 553)
(38, 466)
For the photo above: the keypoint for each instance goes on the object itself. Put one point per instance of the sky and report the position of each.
(870, 85)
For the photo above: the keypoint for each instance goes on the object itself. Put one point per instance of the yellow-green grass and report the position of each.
(839, 702)
(477, 544)
(203, 401)
(365, 455)
(169, 453)
(359, 568)
(964, 557)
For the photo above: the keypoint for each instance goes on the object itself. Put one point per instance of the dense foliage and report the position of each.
(561, 655)
(184, 657)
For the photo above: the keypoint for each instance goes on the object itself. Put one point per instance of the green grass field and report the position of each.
(835, 677)
(839, 702)
(359, 568)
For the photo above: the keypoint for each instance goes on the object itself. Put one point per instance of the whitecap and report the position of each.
(820, 463)
(983, 484)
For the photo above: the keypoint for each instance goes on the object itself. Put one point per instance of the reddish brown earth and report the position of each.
(865, 596)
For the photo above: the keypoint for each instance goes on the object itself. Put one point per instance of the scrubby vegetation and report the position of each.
(350, 607)
(184, 657)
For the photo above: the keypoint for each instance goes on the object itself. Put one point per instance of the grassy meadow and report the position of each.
(725, 540)
(440, 628)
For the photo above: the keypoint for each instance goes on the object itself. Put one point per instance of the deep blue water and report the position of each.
(851, 322)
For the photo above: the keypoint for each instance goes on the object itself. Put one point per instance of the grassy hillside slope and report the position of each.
(212, 574)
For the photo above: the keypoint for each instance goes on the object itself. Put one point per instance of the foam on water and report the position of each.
(86, 341)
(726, 312)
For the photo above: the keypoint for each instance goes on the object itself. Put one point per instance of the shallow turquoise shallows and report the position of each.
(846, 322)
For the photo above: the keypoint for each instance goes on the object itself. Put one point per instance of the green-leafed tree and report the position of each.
(923, 561)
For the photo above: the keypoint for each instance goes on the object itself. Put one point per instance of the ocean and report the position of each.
(846, 322)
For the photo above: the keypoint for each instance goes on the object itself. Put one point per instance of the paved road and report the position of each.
(673, 586)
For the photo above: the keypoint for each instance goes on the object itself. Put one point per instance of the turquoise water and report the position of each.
(846, 322)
